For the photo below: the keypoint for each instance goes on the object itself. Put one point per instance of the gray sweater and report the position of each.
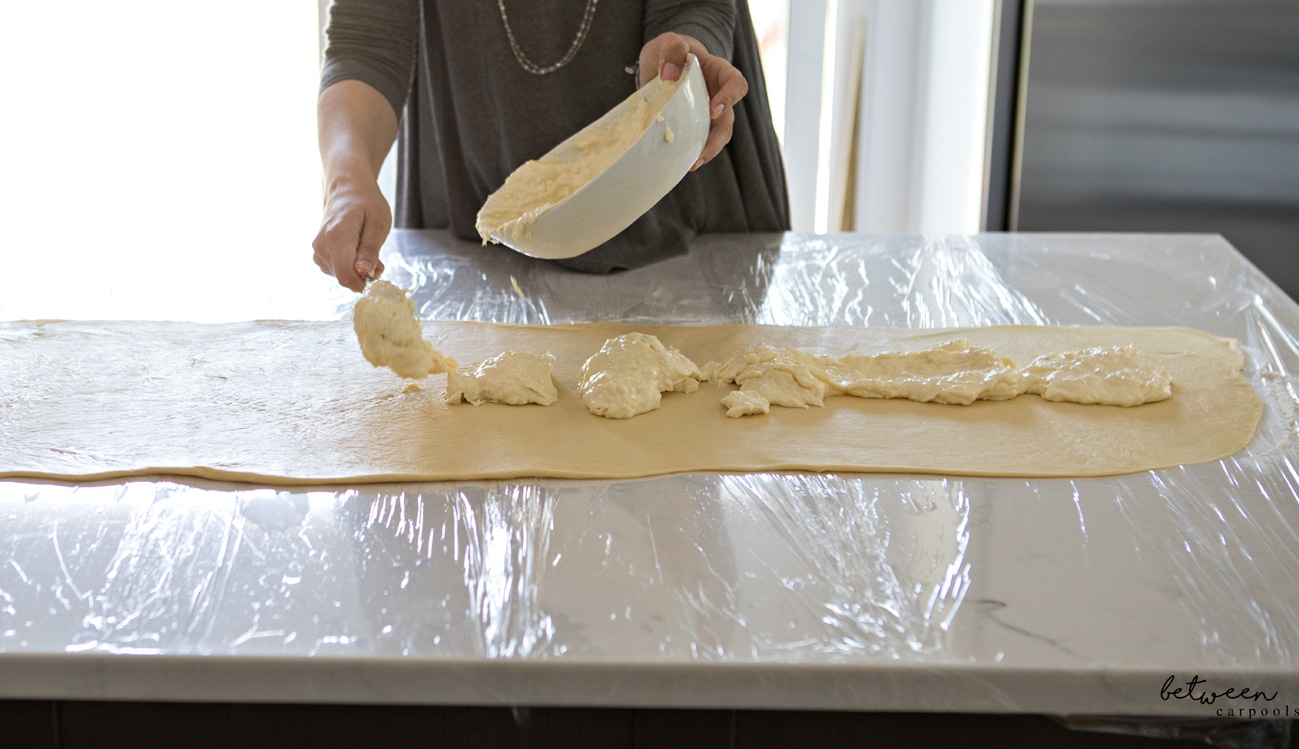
(470, 113)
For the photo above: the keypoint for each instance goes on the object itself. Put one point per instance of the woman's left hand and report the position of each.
(665, 56)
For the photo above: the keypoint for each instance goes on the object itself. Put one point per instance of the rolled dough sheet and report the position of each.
(296, 403)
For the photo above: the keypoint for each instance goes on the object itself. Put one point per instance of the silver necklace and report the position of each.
(531, 66)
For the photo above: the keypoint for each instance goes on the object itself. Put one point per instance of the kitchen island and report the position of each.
(1156, 598)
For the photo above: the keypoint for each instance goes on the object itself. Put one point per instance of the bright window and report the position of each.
(771, 22)
(176, 139)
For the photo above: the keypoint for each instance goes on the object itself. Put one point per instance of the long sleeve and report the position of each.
(373, 41)
(474, 113)
(710, 21)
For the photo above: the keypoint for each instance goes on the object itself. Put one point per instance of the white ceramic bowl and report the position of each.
(628, 187)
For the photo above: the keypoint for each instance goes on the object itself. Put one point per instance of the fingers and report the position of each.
(332, 246)
(347, 246)
(664, 56)
(367, 266)
(719, 134)
(726, 87)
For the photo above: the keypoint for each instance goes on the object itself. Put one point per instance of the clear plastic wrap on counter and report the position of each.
(871, 592)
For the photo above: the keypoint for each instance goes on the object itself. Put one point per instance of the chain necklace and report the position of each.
(531, 66)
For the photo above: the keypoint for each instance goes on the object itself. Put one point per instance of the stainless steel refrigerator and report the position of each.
(1150, 116)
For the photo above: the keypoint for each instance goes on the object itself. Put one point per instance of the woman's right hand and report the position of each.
(355, 223)
(357, 127)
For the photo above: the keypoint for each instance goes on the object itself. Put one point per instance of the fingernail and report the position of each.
(717, 110)
(671, 71)
(364, 269)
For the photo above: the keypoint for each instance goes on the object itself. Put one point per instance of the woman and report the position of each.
(477, 87)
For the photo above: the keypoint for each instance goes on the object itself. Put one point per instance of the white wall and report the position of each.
(807, 36)
(954, 115)
(919, 125)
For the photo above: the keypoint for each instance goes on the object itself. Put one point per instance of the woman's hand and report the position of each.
(356, 221)
(357, 127)
(665, 56)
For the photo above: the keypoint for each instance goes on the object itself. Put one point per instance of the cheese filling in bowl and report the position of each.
(597, 182)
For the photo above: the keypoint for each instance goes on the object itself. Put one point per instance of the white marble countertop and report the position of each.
(868, 592)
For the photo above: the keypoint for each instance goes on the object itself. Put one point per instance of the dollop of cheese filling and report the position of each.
(954, 372)
(1113, 375)
(515, 378)
(390, 336)
(777, 376)
(629, 374)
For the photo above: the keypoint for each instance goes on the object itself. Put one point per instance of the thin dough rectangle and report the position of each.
(296, 403)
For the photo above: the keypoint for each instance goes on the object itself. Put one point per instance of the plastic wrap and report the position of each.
(802, 591)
